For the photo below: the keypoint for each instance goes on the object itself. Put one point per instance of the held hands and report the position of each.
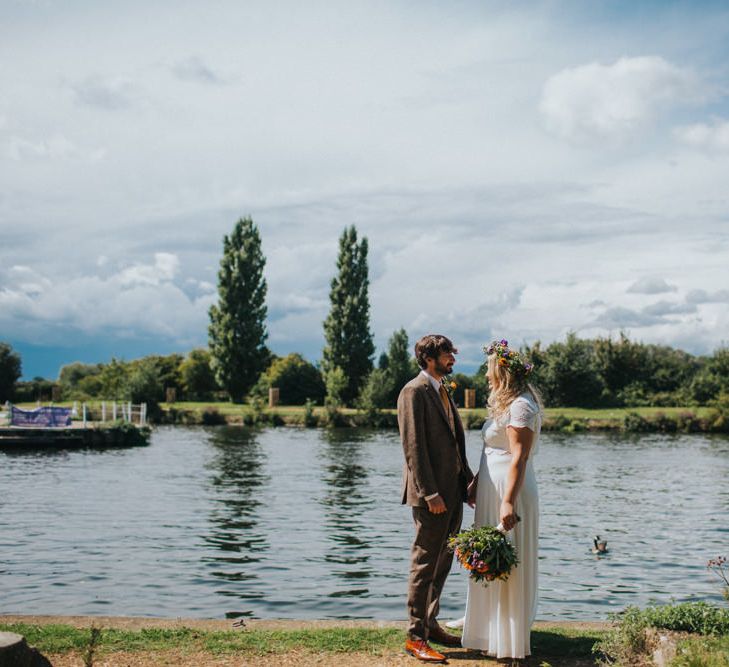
(507, 516)
(436, 505)
(471, 491)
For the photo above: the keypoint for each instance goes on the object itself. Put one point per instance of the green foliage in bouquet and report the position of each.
(485, 553)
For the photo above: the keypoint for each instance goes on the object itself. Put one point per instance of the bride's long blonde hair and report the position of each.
(505, 386)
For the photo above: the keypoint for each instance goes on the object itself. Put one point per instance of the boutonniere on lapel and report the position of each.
(449, 385)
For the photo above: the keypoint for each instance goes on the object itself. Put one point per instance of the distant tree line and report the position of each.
(599, 372)
(237, 365)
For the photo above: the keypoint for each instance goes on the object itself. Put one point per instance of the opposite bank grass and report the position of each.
(557, 645)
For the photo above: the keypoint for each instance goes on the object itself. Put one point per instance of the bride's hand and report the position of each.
(507, 516)
(471, 491)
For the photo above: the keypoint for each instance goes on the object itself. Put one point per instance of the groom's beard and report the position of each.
(443, 370)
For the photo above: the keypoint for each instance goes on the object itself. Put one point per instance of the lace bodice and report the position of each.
(523, 412)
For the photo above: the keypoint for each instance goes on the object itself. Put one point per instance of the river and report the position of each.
(294, 523)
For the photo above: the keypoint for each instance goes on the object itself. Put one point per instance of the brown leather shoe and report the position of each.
(440, 636)
(419, 649)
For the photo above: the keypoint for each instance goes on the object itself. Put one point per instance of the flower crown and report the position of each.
(510, 359)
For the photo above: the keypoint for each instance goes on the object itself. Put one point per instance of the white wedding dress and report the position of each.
(499, 617)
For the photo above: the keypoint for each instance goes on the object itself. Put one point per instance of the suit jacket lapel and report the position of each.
(435, 397)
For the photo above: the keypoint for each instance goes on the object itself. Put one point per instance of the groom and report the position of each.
(435, 478)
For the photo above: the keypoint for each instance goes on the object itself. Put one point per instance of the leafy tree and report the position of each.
(197, 377)
(80, 381)
(336, 384)
(38, 389)
(712, 379)
(349, 344)
(399, 366)
(143, 385)
(71, 374)
(296, 378)
(113, 379)
(376, 392)
(168, 369)
(566, 372)
(10, 371)
(89, 387)
(620, 364)
(237, 328)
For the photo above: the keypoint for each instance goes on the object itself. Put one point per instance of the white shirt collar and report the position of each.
(434, 383)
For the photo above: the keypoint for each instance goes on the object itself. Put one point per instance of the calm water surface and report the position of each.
(306, 524)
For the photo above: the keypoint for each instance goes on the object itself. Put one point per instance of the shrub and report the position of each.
(310, 419)
(197, 377)
(688, 422)
(635, 423)
(628, 643)
(375, 392)
(664, 424)
(474, 421)
(212, 417)
(275, 419)
(336, 383)
(296, 379)
(256, 414)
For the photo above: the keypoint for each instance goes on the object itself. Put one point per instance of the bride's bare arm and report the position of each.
(520, 444)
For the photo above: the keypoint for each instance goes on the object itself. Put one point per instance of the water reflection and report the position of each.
(346, 500)
(304, 523)
(237, 481)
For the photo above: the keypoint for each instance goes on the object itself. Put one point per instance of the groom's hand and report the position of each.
(471, 492)
(436, 505)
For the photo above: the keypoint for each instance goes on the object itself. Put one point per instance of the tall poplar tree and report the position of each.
(349, 343)
(237, 331)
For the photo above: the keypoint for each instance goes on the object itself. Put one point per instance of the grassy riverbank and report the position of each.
(146, 642)
(566, 420)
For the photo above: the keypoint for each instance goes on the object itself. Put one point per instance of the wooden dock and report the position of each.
(74, 436)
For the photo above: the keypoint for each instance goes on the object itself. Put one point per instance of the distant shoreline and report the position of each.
(560, 420)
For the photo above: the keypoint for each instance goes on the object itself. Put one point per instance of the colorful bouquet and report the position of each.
(485, 553)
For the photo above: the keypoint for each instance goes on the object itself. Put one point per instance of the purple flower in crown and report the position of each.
(503, 342)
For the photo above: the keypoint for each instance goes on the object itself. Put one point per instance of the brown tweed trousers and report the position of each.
(435, 462)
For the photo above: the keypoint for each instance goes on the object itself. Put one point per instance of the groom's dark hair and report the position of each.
(432, 346)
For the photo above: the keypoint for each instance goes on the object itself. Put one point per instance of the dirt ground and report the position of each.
(295, 658)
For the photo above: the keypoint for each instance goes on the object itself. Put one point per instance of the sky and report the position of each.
(521, 170)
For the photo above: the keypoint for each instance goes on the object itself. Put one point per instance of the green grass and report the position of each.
(706, 624)
(552, 644)
(702, 652)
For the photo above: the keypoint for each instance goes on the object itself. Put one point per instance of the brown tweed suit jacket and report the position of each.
(435, 456)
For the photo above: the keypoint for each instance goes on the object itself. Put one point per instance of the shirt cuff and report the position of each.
(431, 496)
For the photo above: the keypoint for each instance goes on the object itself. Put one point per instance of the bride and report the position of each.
(499, 617)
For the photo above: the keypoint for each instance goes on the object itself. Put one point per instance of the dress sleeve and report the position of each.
(523, 413)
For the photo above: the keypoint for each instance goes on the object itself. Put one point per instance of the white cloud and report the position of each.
(422, 128)
(108, 93)
(712, 137)
(614, 100)
(164, 269)
(702, 296)
(137, 301)
(651, 285)
(56, 147)
(196, 70)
